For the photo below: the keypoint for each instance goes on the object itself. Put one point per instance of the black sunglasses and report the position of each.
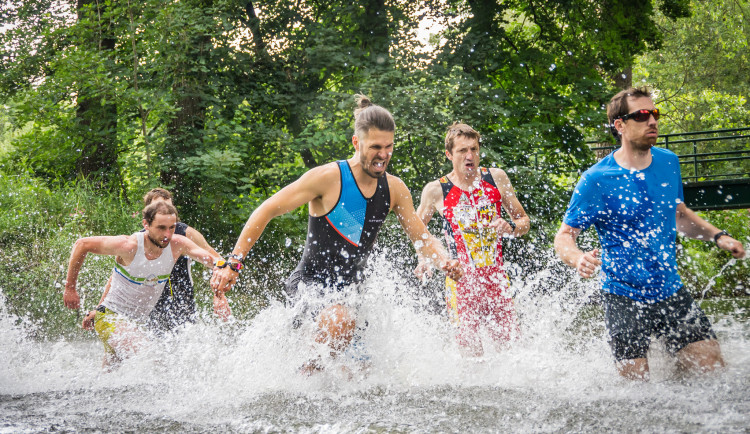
(641, 115)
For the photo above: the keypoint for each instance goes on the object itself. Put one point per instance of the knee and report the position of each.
(703, 356)
(335, 327)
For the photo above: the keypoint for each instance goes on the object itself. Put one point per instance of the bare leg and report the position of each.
(126, 339)
(335, 328)
(701, 356)
(634, 369)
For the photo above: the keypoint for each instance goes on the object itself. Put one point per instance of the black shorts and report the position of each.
(309, 295)
(631, 324)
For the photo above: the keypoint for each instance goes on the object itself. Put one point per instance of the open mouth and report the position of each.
(378, 165)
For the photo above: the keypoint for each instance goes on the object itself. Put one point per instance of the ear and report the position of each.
(619, 126)
(448, 155)
(355, 142)
(145, 224)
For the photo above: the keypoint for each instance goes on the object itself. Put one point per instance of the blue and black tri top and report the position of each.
(339, 242)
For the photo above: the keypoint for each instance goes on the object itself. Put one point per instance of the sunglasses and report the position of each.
(641, 115)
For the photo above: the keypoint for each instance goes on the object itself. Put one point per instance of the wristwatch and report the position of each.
(719, 235)
(234, 266)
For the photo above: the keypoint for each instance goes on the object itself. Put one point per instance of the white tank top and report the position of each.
(136, 288)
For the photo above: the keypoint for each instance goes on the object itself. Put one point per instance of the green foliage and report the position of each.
(38, 226)
(709, 271)
(700, 72)
(225, 102)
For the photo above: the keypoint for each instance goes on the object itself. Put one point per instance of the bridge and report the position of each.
(715, 166)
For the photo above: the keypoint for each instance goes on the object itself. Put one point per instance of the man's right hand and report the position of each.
(587, 263)
(71, 298)
(88, 321)
(453, 269)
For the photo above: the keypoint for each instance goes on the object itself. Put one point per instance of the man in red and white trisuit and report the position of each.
(469, 199)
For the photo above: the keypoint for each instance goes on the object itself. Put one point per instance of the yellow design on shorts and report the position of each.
(105, 324)
(451, 298)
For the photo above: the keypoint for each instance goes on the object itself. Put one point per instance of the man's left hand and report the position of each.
(732, 246)
(502, 227)
(223, 279)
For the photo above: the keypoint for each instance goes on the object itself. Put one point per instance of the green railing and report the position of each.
(706, 155)
(715, 166)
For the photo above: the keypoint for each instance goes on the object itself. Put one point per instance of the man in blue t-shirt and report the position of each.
(634, 199)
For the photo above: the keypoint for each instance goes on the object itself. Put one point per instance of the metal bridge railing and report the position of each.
(699, 157)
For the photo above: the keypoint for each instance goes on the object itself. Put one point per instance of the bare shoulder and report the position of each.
(179, 239)
(181, 243)
(399, 191)
(432, 192)
(431, 187)
(324, 172)
(394, 181)
(499, 174)
(320, 179)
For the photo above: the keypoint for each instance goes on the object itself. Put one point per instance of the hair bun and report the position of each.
(363, 101)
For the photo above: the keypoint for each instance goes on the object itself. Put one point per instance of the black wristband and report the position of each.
(512, 225)
(719, 235)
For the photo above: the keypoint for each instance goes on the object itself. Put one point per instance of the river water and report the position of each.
(244, 376)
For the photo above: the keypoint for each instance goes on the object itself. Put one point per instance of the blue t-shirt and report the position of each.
(634, 213)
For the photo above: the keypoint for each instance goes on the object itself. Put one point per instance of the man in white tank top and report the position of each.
(143, 262)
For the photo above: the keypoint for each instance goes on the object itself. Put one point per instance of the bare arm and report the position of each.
(221, 304)
(88, 320)
(198, 238)
(308, 187)
(511, 205)
(567, 249)
(123, 246)
(426, 245)
(691, 225)
(428, 205)
(185, 246)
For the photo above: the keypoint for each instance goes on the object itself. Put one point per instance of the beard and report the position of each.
(643, 144)
(157, 243)
(365, 168)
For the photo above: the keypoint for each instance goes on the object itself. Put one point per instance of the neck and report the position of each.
(363, 179)
(631, 158)
(150, 248)
(464, 181)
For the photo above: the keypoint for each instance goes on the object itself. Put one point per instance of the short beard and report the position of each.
(157, 244)
(644, 145)
(363, 163)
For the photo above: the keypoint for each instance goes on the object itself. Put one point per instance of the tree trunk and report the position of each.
(97, 119)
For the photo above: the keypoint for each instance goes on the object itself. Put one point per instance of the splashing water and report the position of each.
(242, 377)
(731, 262)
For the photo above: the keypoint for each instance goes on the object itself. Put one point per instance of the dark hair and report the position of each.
(618, 106)
(154, 193)
(368, 115)
(459, 130)
(160, 207)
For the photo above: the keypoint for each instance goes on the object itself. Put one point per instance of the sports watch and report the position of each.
(719, 235)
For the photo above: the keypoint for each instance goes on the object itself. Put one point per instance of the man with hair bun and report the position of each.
(633, 197)
(470, 200)
(143, 262)
(348, 202)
